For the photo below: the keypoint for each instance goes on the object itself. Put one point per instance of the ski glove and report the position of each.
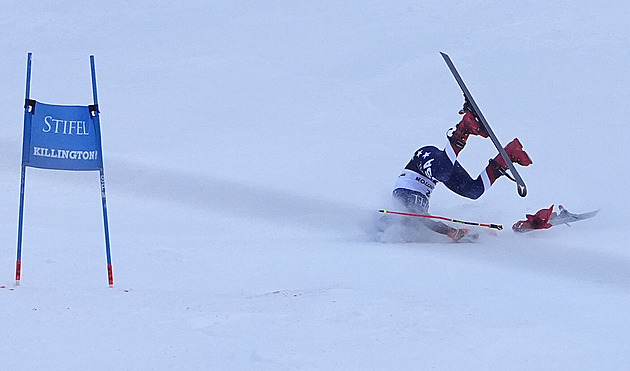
(462, 234)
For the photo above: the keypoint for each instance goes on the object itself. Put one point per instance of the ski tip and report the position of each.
(382, 211)
(522, 190)
(593, 213)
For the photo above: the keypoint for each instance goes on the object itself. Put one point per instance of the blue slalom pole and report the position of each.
(97, 126)
(28, 115)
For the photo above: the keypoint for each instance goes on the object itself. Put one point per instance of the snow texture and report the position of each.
(247, 148)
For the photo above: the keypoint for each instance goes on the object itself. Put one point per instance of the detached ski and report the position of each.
(565, 217)
(521, 188)
(547, 218)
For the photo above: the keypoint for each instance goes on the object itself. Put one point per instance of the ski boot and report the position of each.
(467, 126)
(540, 220)
(515, 152)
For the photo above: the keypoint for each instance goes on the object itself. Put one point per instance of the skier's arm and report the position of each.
(436, 226)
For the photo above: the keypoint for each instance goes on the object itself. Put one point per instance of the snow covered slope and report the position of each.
(247, 147)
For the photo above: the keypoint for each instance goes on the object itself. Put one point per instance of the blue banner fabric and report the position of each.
(63, 138)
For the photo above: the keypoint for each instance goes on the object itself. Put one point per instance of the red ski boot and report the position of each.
(515, 152)
(540, 220)
(467, 126)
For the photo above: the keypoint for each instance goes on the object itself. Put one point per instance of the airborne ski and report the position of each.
(521, 188)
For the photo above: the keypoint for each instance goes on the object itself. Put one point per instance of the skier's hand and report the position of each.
(457, 234)
(462, 234)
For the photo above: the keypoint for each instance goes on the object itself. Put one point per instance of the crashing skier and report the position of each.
(430, 165)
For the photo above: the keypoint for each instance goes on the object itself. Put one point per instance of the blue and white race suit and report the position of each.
(428, 166)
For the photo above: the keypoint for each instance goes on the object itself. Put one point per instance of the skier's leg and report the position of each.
(463, 184)
(417, 203)
(414, 202)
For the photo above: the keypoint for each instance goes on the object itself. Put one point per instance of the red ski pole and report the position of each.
(488, 225)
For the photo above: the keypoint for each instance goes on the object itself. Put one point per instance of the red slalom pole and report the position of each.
(488, 225)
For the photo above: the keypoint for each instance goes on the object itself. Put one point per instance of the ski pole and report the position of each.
(494, 226)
